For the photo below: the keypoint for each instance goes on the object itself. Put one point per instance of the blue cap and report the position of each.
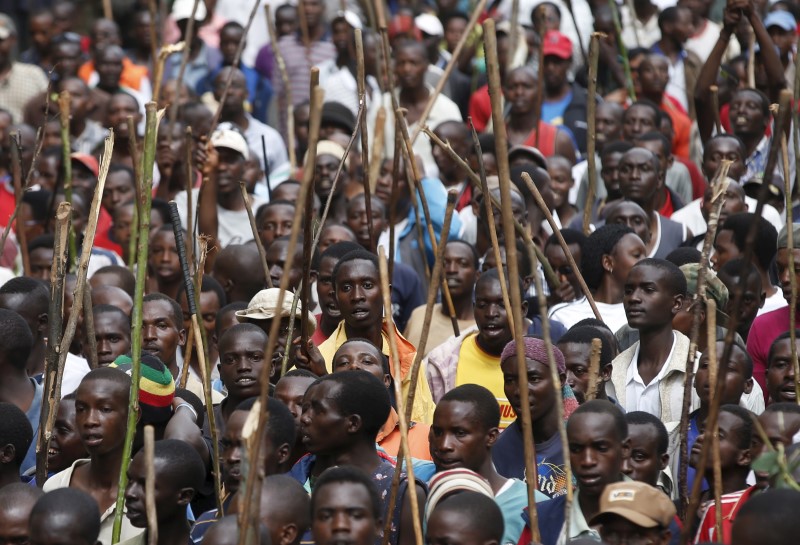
(781, 19)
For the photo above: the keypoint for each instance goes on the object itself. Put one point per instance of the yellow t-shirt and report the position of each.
(477, 367)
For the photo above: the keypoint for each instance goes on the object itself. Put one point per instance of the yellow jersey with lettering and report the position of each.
(475, 366)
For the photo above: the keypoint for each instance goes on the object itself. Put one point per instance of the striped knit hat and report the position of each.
(156, 387)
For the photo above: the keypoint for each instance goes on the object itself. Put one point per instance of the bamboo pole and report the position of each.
(136, 157)
(591, 143)
(88, 329)
(150, 485)
(489, 207)
(361, 82)
(477, 12)
(262, 253)
(401, 411)
(493, 70)
(433, 288)
(286, 95)
(52, 372)
(149, 155)
(594, 369)
(787, 188)
(16, 176)
(308, 206)
(715, 108)
(623, 51)
(563, 243)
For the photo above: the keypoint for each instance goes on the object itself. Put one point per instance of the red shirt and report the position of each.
(480, 108)
(730, 505)
(668, 207)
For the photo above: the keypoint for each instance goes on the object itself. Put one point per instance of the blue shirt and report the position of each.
(33, 414)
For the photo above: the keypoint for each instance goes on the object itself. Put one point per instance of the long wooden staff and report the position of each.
(433, 289)
(591, 142)
(262, 253)
(376, 158)
(713, 373)
(787, 188)
(52, 372)
(489, 207)
(594, 369)
(361, 81)
(581, 45)
(401, 411)
(16, 176)
(186, 50)
(88, 329)
(623, 51)
(146, 191)
(563, 243)
(715, 109)
(286, 95)
(150, 485)
(202, 250)
(477, 12)
(66, 159)
(501, 147)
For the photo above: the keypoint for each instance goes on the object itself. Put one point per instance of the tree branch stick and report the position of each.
(150, 485)
(361, 81)
(261, 251)
(286, 96)
(591, 158)
(594, 369)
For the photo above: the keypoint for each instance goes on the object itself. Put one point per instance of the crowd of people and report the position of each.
(683, 92)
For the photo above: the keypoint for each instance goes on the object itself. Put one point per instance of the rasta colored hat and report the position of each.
(156, 387)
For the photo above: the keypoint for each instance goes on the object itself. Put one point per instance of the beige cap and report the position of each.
(225, 137)
(263, 306)
(639, 503)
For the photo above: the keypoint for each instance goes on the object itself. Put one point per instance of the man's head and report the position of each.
(465, 518)
(753, 296)
(642, 116)
(634, 512)
(738, 378)
(341, 410)
(179, 473)
(735, 202)
(491, 315)
(16, 502)
(675, 24)
(65, 444)
(358, 290)
(731, 240)
(357, 218)
(641, 178)
(597, 433)
(457, 134)
(460, 263)
(30, 299)
(780, 422)
(16, 340)
(65, 516)
(326, 293)
(629, 213)
(411, 63)
(112, 333)
(576, 346)
(284, 509)
(649, 443)
(464, 429)
(16, 434)
(290, 390)
(231, 148)
(101, 410)
(519, 89)
(720, 147)
(212, 299)
(345, 506)
(239, 270)
(274, 220)
(780, 369)
(241, 357)
(768, 519)
(225, 531)
(162, 327)
(608, 123)
(610, 156)
(653, 294)
(237, 90)
(749, 113)
(557, 53)
(361, 354)
(735, 425)
(782, 259)
(280, 262)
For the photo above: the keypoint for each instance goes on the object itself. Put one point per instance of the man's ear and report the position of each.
(626, 447)
(670, 161)
(607, 263)
(7, 454)
(605, 373)
(284, 451)
(42, 321)
(525, 309)
(182, 337)
(354, 423)
(748, 385)
(677, 304)
(185, 496)
(491, 437)
(664, 461)
(745, 458)
(763, 299)
(288, 534)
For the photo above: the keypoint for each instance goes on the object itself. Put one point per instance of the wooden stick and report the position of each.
(591, 143)
(290, 331)
(477, 12)
(66, 158)
(393, 202)
(538, 100)
(401, 413)
(501, 143)
(376, 158)
(261, 251)
(154, 34)
(186, 51)
(187, 356)
(715, 111)
(88, 329)
(361, 81)
(475, 180)
(632, 11)
(787, 188)
(138, 176)
(713, 374)
(594, 369)
(308, 205)
(514, 23)
(267, 169)
(581, 46)
(189, 164)
(52, 371)
(563, 243)
(623, 51)
(433, 289)
(286, 96)
(150, 485)
(202, 243)
(149, 155)
(108, 13)
(158, 69)
(489, 207)
(751, 63)
(16, 176)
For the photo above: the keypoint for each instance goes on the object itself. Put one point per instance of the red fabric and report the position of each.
(681, 125)
(730, 505)
(7, 202)
(466, 198)
(319, 336)
(480, 108)
(668, 207)
(698, 181)
(547, 139)
(102, 238)
(676, 103)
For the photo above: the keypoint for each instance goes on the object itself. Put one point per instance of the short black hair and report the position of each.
(475, 256)
(584, 335)
(207, 284)
(39, 201)
(765, 101)
(480, 512)
(745, 431)
(15, 430)
(601, 242)
(618, 146)
(642, 418)
(486, 409)
(571, 236)
(35, 292)
(46, 240)
(783, 407)
(16, 338)
(176, 308)
(766, 243)
(738, 267)
(68, 508)
(494, 274)
(656, 136)
(127, 280)
(684, 255)
(355, 255)
(17, 494)
(244, 327)
(185, 467)
(340, 249)
(647, 104)
(601, 406)
(676, 280)
(230, 307)
(350, 475)
(669, 15)
(299, 373)
(264, 207)
(111, 309)
(772, 516)
(782, 337)
(281, 428)
(118, 377)
(723, 136)
(360, 393)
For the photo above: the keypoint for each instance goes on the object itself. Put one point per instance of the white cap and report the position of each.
(182, 9)
(264, 306)
(429, 24)
(352, 19)
(224, 137)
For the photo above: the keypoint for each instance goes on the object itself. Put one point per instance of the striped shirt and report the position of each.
(299, 62)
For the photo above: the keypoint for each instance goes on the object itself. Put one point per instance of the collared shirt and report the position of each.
(22, 83)
(756, 163)
(641, 396)
(578, 526)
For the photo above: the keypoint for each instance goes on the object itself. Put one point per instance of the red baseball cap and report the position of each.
(557, 44)
(88, 161)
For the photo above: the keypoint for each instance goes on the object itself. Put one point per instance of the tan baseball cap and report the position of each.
(639, 503)
(263, 306)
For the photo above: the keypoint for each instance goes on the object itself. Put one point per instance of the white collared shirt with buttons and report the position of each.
(641, 396)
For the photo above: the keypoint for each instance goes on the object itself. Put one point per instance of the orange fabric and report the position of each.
(132, 74)
(547, 139)
(389, 438)
(682, 126)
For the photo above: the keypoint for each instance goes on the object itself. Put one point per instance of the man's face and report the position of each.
(448, 168)
(79, 99)
(315, 11)
(519, 90)
(654, 75)
(555, 72)
(168, 498)
(161, 331)
(324, 173)
(209, 306)
(734, 203)
(784, 273)
(752, 298)
(628, 252)
(576, 357)
(231, 451)
(326, 293)
(101, 409)
(120, 107)
(6, 49)
(746, 114)
(109, 68)
(358, 294)
(67, 59)
(783, 39)
(65, 444)
(112, 333)
(241, 359)
(290, 391)
(459, 270)
(323, 427)
(648, 298)
(725, 249)
(343, 514)
(453, 31)
(631, 215)
(491, 316)
(638, 119)
(561, 182)
(230, 170)
(410, 67)
(277, 257)
(560, 264)
(163, 260)
(639, 176)
(780, 373)
(237, 92)
(780, 428)
(360, 356)
(610, 172)
(447, 526)
(541, 394)
(645, 463)
(731, 452)
(229, 40)
(616, 529)
(608, 124)
(357, 220)
(719, 149)
(595, 451)
(286, 21)
(734, 384)
(342, 36)
(41, 30)
(458, 439)
(277, 222)
(14, 523)
(41, 261)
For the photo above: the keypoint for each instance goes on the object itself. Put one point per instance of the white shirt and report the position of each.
(75, 368)
(641, 396)
(234, 225)
(773, 302)
(573, 312)
(276, 149)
